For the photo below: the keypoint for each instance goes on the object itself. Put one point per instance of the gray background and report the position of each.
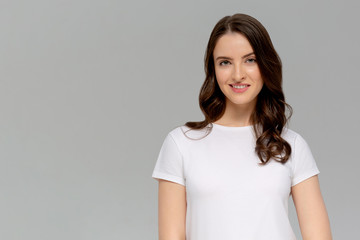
(89, 90)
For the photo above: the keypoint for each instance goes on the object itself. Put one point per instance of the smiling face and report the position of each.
(236, 70)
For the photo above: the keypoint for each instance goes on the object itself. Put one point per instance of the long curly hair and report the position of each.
(268, 118)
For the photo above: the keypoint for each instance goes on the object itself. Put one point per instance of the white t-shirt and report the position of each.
(229, 196)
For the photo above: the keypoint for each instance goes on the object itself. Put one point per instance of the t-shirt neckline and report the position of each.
(231, 128)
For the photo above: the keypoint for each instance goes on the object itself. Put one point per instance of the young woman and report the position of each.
(231, 176)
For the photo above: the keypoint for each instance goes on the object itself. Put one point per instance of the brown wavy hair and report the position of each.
(268, 118)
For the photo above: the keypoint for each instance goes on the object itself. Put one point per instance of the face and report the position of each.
(236, 70)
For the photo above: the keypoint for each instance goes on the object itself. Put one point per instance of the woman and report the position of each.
(231, 175)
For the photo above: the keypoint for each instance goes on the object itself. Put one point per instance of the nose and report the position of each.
(238, 72)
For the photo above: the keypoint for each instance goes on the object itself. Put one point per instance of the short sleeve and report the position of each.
(303, 165)
(169, 164)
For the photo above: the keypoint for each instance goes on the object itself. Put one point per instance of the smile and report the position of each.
(239, 88)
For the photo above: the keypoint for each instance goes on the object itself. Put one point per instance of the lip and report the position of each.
(239, 90)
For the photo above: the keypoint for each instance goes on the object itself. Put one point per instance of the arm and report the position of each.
(172, 210)
(311, 211)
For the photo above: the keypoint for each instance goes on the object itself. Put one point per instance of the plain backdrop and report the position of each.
(89, 90)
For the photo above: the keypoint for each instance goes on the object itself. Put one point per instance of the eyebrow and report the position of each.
(222, 57)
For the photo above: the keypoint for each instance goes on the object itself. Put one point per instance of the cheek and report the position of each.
(255, 75)
(253, 71)
(221, 75)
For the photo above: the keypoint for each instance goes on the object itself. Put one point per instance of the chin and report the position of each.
(238, 102)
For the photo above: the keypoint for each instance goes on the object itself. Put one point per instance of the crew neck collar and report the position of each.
(231, 128)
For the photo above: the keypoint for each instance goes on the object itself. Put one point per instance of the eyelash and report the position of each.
(221, 63)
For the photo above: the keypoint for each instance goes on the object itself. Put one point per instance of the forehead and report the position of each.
(232, 44)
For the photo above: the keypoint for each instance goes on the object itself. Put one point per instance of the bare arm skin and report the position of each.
(311, 210)
(172, 210)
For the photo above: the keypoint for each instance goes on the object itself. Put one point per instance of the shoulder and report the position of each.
(182, 133)
(296, 141)
(290, 135)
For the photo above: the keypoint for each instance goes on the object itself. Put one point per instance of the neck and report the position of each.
(237, 115)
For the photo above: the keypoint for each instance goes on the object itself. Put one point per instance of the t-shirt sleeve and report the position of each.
(304, 165)
(169, 164)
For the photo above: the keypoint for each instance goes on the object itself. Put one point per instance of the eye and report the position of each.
(251, 60)
(226, 62)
